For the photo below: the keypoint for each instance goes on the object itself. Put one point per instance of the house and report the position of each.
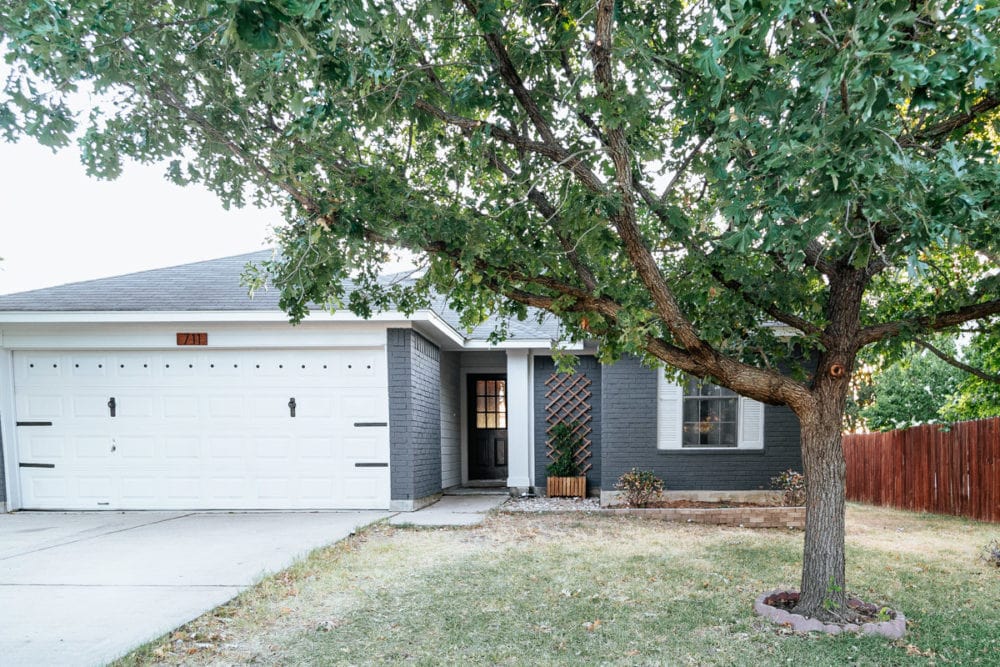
(173, 389)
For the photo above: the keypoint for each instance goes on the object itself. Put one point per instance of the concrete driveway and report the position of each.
(85, 588)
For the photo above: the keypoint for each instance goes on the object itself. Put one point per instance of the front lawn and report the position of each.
(579, 589)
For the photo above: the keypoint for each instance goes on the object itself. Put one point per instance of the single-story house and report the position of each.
(173, 389)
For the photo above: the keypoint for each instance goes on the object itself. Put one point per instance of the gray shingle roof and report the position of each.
(212, 285)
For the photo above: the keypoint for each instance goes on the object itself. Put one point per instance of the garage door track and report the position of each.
(85, 588)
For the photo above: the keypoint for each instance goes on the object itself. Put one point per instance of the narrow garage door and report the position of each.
(205, 429)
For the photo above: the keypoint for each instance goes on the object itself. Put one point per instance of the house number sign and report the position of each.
(192, 339)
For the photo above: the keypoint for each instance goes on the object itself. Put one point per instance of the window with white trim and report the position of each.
(699, 415)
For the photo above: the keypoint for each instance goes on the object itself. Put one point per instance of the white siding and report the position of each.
(451, 429)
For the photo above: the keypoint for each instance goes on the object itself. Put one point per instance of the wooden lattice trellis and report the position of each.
(568, 402)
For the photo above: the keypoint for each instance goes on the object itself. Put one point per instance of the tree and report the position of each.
(911, 391)
(669, 178)
(978, 394)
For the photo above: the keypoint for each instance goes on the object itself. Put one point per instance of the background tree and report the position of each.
(913, 390)
(668, 178)
(978, 393)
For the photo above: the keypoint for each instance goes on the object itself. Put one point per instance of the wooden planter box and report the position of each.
(566, 487)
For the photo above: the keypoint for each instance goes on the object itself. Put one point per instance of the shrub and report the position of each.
(793, 486)
(639, 487)
(564, 445)
(991, 553)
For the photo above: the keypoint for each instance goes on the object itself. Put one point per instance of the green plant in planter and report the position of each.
(564, 445)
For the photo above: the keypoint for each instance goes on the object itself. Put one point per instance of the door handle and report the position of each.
(291, 406)
(112, 405)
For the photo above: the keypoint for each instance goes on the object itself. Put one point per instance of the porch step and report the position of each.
(477, 490)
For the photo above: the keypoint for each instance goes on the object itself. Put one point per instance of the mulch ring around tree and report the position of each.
(776, 606)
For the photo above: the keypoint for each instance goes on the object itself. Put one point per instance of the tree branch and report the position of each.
(966, 313)
(803, 325)
(947, 358)
(767, 386)
(946, 127)
(685, 163)
(624, 218)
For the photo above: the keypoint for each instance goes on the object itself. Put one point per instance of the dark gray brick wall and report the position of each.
(414, 415)
(591, 368)
(451, 416)
(629, 440)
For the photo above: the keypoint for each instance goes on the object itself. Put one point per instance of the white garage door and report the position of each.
(203, 429)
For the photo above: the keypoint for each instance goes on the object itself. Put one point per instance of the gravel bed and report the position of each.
(541, 504)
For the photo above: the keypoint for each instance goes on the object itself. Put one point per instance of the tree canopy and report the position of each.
(751, 191)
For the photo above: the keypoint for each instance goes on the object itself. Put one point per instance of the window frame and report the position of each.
(670, 421)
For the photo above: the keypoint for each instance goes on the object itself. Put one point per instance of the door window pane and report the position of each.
(491, 403)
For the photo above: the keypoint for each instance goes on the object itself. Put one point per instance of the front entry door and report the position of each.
(487, 427)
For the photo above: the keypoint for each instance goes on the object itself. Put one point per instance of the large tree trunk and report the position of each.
(822, 593)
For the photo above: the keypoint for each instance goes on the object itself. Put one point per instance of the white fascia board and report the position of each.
(393, 318)
(540, 344)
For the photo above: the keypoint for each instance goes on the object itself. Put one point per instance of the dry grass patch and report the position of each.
(580, 589)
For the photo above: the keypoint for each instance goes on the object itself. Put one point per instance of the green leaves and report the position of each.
(761, 150)
(258, 24)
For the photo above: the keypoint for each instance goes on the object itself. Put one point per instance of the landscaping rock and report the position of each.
(893, 629)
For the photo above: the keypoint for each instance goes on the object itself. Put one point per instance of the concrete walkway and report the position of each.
(462, 510)
(85, 588)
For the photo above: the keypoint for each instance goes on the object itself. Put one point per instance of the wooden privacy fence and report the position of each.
(929, 469)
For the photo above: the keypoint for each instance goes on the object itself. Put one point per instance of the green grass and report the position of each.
(565, 589)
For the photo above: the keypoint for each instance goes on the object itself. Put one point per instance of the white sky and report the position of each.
(57, 225)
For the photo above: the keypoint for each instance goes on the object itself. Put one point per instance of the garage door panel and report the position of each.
(312, 490)
(365, 448)
(139, 488)
(38, 365)
(134, 368)
(365, 487)
(274, 488)
(129, 406)
(272, 448)
(270, 406)
(40, 407)
(225, 448)
(228, 488)
(183, 488)
(137, 447)
(315, 450)
(87, 368)
(182, 449)
(180, 407)
(50, 487)
(365, 406)
(43, 448)
(222, 407)
(90, 405)
(95, 487)
(93, 448)
(207, 429)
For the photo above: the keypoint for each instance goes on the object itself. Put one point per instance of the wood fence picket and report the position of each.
(945, 470)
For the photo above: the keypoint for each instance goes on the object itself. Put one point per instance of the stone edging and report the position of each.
(744, 517)
(893, 629)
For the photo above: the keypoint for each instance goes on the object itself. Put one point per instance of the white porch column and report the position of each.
(520, 440)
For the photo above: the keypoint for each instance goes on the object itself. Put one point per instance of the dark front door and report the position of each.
(487, 427)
